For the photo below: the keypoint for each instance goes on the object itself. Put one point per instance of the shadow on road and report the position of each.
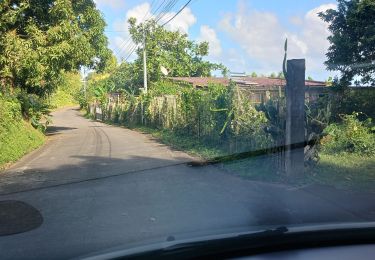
(54, 130)
(271, 204)
(112, 200)
(81, 168)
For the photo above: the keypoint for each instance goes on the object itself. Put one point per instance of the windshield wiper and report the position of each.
(251, 243)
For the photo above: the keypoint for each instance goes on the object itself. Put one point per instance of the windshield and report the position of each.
(125, 123)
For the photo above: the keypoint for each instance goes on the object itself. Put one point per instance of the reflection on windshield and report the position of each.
(148, 121)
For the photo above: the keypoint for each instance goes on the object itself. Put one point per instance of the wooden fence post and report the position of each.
(295, 117)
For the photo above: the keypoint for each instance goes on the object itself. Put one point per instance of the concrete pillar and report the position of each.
(295, 117)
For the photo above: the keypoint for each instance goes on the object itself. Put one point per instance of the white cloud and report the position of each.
(182, 22)
(209, 35)
(314, 33)
(314, 26)
(122, 44)
(114, 4)
(142, 12)
(261, 36)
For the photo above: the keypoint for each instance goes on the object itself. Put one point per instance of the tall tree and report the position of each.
(170, 49)
(40, 39)
(125, 77)
(352, 49)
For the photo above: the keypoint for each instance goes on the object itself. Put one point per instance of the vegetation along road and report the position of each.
(107, 185)
(100, 184)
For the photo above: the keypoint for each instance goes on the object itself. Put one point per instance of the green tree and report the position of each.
(329, 81)
(280, 75)
(67, 91)
(170, 49)
(39, 40)
(225, 72)
(254, 74)
(352, 49)
(124, 77)
(111, 64)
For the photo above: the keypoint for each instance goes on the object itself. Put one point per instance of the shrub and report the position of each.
(351, 135)
(17, 137)
(68, 91)
(216, 116)
(35, 109)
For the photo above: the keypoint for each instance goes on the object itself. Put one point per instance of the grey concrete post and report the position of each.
(295, 117)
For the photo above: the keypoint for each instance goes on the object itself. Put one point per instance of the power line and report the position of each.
(160, 16)
(160, 6)
(130, 46)
(124, 45)
(131, 52)
(152, 3)
(188, 2)
(166, 8)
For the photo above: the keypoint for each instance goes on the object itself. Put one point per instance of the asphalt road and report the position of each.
(100, 186)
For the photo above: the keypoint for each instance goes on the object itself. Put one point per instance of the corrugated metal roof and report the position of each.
(202, 81)
(245, 81)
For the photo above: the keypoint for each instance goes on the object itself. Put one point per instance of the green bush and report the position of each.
(351, 135)
(17, 137)
(346, 100)
(35, 109)
(68, 91)
(216, 116)
(62, 98)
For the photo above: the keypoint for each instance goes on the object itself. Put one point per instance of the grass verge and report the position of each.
(16, 140)
(184, 143)
(346, 171)
(342, 171)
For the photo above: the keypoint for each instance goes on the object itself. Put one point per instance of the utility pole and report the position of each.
(85, 83)
(144, 62)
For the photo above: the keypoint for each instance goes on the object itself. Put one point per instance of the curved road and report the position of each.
(100, 186)
(79, 149)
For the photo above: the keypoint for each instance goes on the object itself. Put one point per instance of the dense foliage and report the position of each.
(352, 50)
(41, 39)
(68, 90)
(16, 136)
(217, 116)
(350, 135)
(170, 49)
(123, 77)
(348, 100)
(43, 44)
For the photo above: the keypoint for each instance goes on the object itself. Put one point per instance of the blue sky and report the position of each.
(244, 35)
